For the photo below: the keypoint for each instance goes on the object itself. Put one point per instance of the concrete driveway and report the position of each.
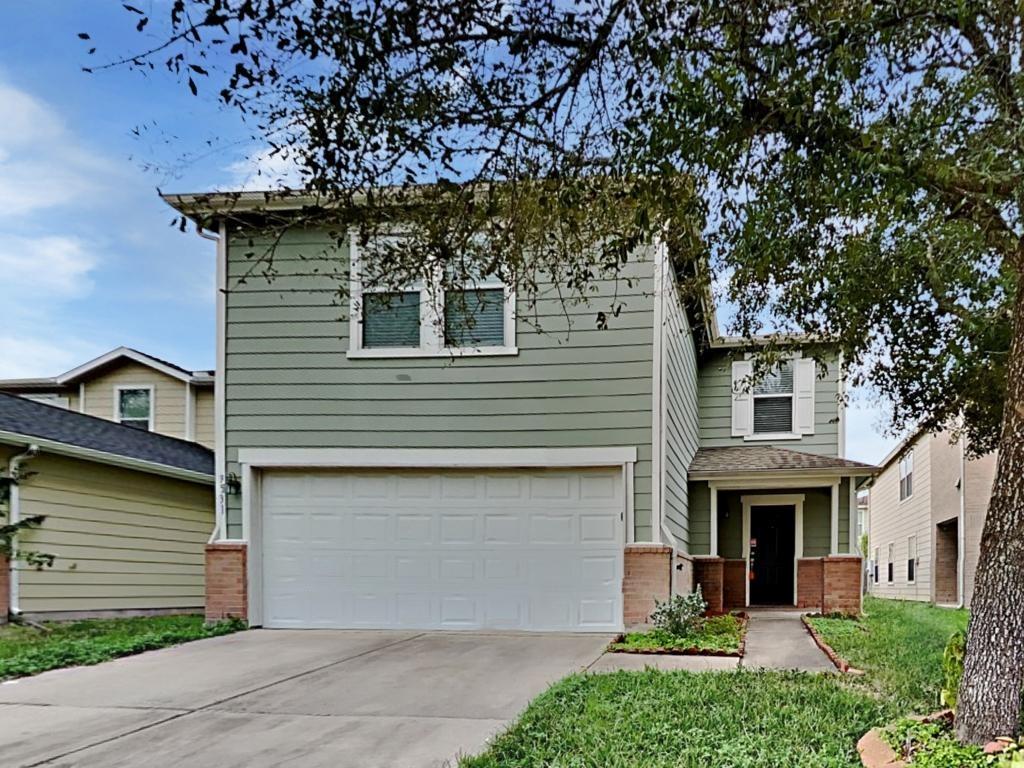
(295, 698)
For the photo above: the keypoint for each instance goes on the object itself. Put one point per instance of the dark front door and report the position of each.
(771, 555)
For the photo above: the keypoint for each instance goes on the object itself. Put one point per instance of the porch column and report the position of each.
(834, 526)
(713, 551)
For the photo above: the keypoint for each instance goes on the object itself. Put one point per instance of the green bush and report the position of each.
(680, 615)
(953, 668)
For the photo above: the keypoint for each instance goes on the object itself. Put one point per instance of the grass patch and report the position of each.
(684, 720)
(719, 634)
(932, 745)
(899, 645)
(26, 650)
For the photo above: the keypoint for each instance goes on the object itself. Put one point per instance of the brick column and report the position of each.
(5, 589)
(841, 584)
(226, 581)
(809, 582)
(734, 585)
(709, 573)
(647, 577)
(684, 574)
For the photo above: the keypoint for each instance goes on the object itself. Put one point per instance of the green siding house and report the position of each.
(385, 462)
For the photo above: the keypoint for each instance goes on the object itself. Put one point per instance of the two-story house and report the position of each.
(379, 471)
(926, 511)
(132, 388)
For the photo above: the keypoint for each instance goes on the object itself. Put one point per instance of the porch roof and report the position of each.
(743, 460)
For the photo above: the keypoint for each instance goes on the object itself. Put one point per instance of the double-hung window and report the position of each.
(875, 565)
(907, 475)
(911, 559)
(773, 402)
(430, 317)
(890, 565)
(134, 407)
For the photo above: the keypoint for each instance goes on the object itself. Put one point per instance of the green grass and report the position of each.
(721, 634)
(683, 720)
(26, 650)
(899, 645)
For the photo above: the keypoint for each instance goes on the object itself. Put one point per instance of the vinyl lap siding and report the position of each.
(714, 387)
(124, 540)
(168, 396)
(892, 520)
(203, 414)
(290, 384)
(681, 417)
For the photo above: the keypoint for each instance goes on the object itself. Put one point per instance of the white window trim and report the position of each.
(431, 317)
(890, 563)
(899, 477)
(909, 558)
(119, 388)
(767, 437)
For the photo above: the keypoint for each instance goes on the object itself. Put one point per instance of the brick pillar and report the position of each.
(841, 584)
(226, 584)
(684, 574)
(5, 589)
(809, 582)
(708, 572)
(734, 585)
(647, 577)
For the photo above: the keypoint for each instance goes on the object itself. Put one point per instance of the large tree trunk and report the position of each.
(989, 701)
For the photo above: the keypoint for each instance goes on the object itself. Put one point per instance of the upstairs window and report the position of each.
(773, 402)
(911, 559)
(423, 319)
(907, 475)
(135, 407)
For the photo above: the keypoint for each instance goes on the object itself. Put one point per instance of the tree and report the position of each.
(859, 163)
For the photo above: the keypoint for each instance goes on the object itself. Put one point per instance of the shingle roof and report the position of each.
(765, 458)
(49, 422)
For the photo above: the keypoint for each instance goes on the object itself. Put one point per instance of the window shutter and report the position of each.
(742, 402)
(803, 389)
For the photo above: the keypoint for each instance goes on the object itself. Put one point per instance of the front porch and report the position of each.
(772, 527)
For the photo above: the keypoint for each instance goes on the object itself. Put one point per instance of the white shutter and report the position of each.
(742, 402)
(803, 390)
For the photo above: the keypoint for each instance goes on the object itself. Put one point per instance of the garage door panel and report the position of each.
(537, 550)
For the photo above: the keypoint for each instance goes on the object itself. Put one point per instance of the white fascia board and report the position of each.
(131, 354)
(788, 479)
(103, 457)
(457, 458)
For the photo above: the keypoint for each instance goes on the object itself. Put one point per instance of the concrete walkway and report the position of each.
(779, 640)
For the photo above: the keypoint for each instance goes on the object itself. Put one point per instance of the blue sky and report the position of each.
(88, 260)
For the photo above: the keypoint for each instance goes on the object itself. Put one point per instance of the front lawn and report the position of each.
(717, 635)
(899, 645)
(660, 719)
(26, 650)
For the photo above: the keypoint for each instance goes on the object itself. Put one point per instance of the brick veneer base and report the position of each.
(226, 592)
(808, 582)
(734, 585)
(647, 577)
(684, 574)
(841, 583)
(5, 589)
(709, 574)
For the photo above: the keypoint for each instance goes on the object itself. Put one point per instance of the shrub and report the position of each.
(681, 614)
(953, 668)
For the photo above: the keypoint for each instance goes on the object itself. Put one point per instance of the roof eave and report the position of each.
(755, 475)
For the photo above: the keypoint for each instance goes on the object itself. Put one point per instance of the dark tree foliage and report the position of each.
(858, 170)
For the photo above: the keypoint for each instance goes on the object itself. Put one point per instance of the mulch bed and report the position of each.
(840, 663)
(692, 651)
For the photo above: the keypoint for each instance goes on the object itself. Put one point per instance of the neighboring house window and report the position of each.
(773, 402)
(421, 320)
(907, 475)
(875, 564)
(911, 559)
(135, 407)
(889, 564)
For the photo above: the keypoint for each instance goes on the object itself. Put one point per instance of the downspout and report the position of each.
(961, 533)
(14, 504)
(219, 470)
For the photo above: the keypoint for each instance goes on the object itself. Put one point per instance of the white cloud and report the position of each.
(41, 355)
(42, 165)
(866, 422)
(45, 268)
(265, 169)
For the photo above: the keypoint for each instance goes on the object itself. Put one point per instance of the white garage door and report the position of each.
(537, 550)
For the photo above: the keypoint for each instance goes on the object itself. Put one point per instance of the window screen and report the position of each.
(134, 408)
(907, 476)
(474, 318)
(773, 402)
(391, 319)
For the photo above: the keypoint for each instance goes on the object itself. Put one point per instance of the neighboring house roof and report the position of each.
(59, 430)
(119, 353)
(746, 459)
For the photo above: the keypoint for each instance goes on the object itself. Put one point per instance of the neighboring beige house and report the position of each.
(926, 510)
(132, 388)
(127, 514)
